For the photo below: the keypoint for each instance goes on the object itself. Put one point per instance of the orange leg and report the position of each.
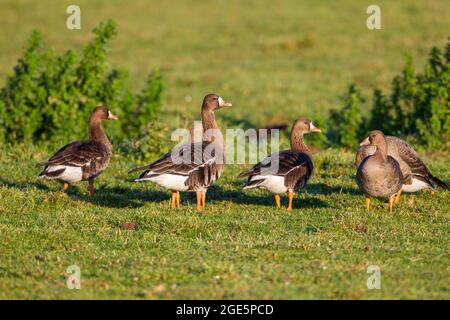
(391, 203)
(203, 200)
(199, 201)
(91, 187)
(173, 200)
(65, 187)
(291, 196)
(177, 199)
(367, 202)
(397, 197)
(278, 200)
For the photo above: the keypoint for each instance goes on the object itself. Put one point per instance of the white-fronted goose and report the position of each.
(196, 132)
(82, 160)
(294, 168)
(415, 172)
(192, 166)
(379, 175)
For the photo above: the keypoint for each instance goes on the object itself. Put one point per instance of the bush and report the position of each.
(50, 97)
(382, 114)
(345, 124)
(432, 116)
(417, 108)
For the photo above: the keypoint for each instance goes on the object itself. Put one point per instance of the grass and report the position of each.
(274, 65)
(240, 247)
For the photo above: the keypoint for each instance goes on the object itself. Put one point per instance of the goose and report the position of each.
(416, 174)
(379, 175)
(196, 132)
(193, 166)
(82, 160)
(294, 168)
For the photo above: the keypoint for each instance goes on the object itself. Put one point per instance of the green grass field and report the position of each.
(274, 63)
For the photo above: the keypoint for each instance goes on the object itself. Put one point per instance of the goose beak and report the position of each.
(365, 142)
(111, 116)
(313, 128)
(223, 103)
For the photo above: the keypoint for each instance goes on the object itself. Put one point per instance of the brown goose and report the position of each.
(294, 168)
(192, 166)
(196, 132)
(82, 160)
(379, 175)
(416, 174)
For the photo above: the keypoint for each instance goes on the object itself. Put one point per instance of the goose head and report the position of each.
(302, 126)
(102, 113)
(212, 102)
(375, 137)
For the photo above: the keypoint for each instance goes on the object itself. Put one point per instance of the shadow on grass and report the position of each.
(121, 197)
(125, 197)
(105, 196)
(217, 193)
(23, 185)
(322, 188)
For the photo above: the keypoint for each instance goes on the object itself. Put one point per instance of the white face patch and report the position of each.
(312, 126)
(111, 116)
(222, 103)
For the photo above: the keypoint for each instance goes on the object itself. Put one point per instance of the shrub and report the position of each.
(381, 115)
(404, 89)
(417, 108)
(50, 97)
(345, 124)
(432, 116)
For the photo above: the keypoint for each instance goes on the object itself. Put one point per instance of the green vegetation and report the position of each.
(295, 59)
(241, 246)
(417, 108)
(345, 124)
(47, 95)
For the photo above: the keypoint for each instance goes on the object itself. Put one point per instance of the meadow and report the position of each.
(274, 63)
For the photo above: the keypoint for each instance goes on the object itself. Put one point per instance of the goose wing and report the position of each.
(182, 160)
(76, 154)
(418, 167)
(290, 163)
(196, 161)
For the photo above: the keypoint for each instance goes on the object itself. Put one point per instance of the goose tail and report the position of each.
(250, 184)
(439, 182)
(138, 169)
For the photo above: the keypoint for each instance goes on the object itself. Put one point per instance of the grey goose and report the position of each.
(379, 175)
(417, 175)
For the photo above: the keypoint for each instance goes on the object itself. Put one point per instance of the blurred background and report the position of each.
(275, 60)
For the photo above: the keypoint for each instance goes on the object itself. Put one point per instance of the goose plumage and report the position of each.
(193, 166)
(285, 171)
(380, 175)
(82, 160)
(416, 173)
